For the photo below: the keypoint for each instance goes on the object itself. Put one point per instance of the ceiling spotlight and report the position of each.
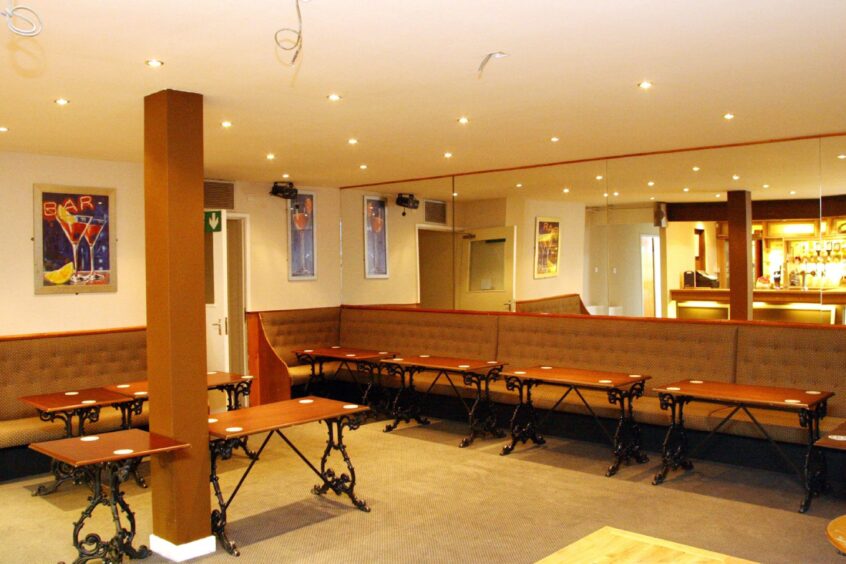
(518, 185)
(696, 169)
(270, 156)
(728, 116)
(599, 177)
(362, 166)
(716, 195)
(455, 194)
(447, 155)
(686, 189)
(352, 141)
(154, 63)
(463, 120)
(605, 195)
(62, 101)
(841, 157)
(554, 139)
(566, 190)
(651, 183)
(651, 197)
(793, 192)
(334, 97)
(4, 129)
(286, 175)
(644, 85)
(735, 177)
(226, 124)
(616, 193)
(765, 186)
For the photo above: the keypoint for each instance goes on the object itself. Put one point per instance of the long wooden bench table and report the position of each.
(366, 363)
(622, 390)
(809, 405)
(106, 459)
(227, 431)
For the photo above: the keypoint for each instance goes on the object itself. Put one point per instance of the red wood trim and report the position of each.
(272, 381)
(608, 158)
(33, 336)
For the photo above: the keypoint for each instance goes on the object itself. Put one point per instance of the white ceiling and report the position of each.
(407, 71)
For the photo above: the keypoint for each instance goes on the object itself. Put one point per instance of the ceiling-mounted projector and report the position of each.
(284, 190)
(408, 201)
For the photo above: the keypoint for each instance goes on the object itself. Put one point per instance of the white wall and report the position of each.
(269, 287)
(21, 311)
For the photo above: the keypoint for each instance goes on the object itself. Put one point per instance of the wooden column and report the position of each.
(740, 254)
(176, 343)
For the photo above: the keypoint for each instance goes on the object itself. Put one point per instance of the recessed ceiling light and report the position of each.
(599, 177)
(518, 185)
(554, 139)
(352, 141)
(226, 124)
(616, 193)
(651, 197)
(651, 183)
(686, 189)
(841, 157)
(605, 195)
(455, 194)
(447, 155)
(334, 97)
(61, 101)
(728, 116)
(696, 169)
(463, 120)
(644, 85)
(735, 177)
(4, 129)
(716, 195)
(362, 166)
(154, 63)
(566, 190)
(286, 175)
(270, 156)
(793, 192)
(765, 186)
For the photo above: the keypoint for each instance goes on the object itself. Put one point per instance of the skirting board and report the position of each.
(182, 552)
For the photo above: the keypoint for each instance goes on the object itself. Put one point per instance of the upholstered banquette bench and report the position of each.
(668, 350)
(41, 364)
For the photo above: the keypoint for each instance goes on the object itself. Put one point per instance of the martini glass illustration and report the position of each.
(300, 223)
(92, 234)
(376, 224)
(73, 227)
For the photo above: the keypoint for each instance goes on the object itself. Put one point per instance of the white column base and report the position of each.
(182, 552)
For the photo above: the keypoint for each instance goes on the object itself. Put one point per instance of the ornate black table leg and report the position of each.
(65, 472)
(815, 470)
(376, 396)
(221, 449)
(674, 452)
(482, 416)
(627, 436)
(524, 423)
(339, 483)
(406, 404)
(92, 546)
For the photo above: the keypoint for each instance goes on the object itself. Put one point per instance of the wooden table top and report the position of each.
(74, 399)
(576, 376)
(108, 447)
(444, 362)
(345, 353)
(835, 439)
(278, 415)
(140, 388)
(765, 396)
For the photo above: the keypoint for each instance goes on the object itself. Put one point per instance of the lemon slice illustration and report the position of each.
(65, 215)
(60, 276)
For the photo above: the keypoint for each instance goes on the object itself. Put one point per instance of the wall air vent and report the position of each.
(218, 195)
(436, 212)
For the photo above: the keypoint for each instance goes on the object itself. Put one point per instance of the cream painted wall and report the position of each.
(21, 311)
(481, 213)
(401, 285)
(269, 287)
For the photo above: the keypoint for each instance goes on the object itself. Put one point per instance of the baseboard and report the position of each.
(182, 552)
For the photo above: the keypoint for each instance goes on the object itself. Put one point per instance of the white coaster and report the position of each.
(122, 451)
(792, 401)
(351, 354)
(122, 386)
(212, 420)
(71, 393)
(88, 402)
(546, 368)
(234, 429)
(351, 406)
(306, 401)
(247, 377)
(425, 355)
(837, 437)
(464, 366)
(336, 347)
(696, 382)
(89, 439)
(519, 372)
(674, 389)
(140, 393)
(605, 381)
(634, 375)
(813, 393)
(309, 350)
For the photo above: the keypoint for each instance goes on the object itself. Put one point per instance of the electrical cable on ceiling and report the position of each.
(28, 22)
(290, 39)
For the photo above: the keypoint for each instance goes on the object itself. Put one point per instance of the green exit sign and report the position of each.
(213, 221)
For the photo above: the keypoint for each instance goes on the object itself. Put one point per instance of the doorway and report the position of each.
(486, 269)
(650, 273)
(435, 268)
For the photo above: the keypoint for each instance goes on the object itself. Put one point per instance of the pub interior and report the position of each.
(546, 282)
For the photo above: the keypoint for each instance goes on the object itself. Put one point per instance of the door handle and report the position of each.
(226, 325)
(219, 326)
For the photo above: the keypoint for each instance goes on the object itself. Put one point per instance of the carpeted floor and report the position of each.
(434, 502)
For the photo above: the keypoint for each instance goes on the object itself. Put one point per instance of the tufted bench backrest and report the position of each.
(301, 328)
(569, 304)
(51, 364)
(467, 335)
(795, 357)
(667, 351)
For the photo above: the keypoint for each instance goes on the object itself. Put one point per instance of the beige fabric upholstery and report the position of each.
(420, 332)
(570, 304)
(50, 364)
(666, 351)
(301, 328)
(795, 357)
(300, 374)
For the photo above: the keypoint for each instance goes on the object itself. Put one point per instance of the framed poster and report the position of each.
(547, 231)
(302, 253)
(375, 237)
(74, 239)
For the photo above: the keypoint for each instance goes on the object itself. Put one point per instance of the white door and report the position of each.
(217, 310)
(486, 269)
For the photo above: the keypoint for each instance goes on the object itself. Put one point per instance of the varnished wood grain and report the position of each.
(444, 363)
(345, 353)
(93, 449)
(74, 399)
(834, 439)
(141, 387)
(576, 377)
(763, 396)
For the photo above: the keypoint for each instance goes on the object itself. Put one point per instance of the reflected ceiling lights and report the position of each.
(463, 120)
(605, 195)
(154, 63)
(793, 192)
(728, 116)
(566, 190)
(686, 189)
(286, 175)
(4, 129)
(61, 101)
(651, 197)
(447, 155)
(644, 85)
(226, 124)
(765, 186)
(599, 177)
(270, 156)
(716, 195)
(616, 193)
(362, 166)
(455, 194)
(841, 157)
(518, 185)
(352, 141)
(696, 169)
(735, 177)
(334, 97)
(651, 183)
(554, 139)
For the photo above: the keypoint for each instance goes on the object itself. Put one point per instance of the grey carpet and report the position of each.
(434, 502)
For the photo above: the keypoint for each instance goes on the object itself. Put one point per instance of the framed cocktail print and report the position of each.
(375, 237)
(302, 254)
(74, 239)
(547, 231)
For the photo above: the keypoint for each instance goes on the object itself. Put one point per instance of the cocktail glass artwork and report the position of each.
(92, 235)
(300, 224)
(376, 224)
(73, 226)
